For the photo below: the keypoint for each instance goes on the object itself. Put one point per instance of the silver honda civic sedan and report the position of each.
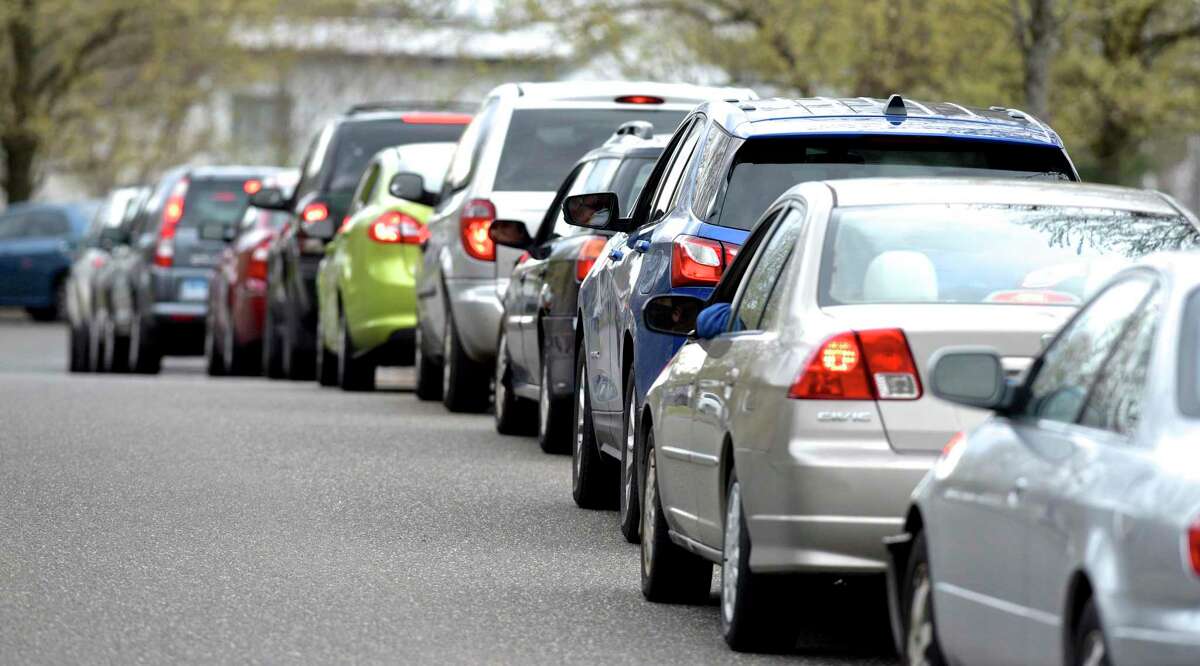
(1066, 528)
(788, 433)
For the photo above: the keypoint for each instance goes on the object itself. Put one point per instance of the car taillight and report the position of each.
(419, 118)
(396, 227)
(696, 261)
(257, 267)
(314, 212)
(588, 254)
(164, 250)
(1193, 546)
(638, 99)
(863, 365)
(252, 186)
(477, 217)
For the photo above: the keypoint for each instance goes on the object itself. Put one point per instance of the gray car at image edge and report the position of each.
(1066, 528)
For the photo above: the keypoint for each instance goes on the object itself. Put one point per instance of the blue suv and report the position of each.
(724, 165)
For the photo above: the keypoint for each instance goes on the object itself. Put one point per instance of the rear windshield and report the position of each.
(763, 169)
(358, 142)
(543, 144)
(214, 201)
(994, 254)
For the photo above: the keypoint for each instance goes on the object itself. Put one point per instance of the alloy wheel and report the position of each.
(920, 618)
(732, 552)
(544, 401)
(1093, 651)
(500, 388)
(649, 512)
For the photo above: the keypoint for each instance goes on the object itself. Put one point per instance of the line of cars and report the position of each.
(757, 325)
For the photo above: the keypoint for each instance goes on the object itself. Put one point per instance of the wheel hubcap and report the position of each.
(732, 552)
(920, 619)
(627, 467)
(1093, 649)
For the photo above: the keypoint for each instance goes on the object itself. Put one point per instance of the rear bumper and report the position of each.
(477, 313)
(179, 328)
(828, 509)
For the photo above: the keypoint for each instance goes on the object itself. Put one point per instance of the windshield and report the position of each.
(214, 201)
(358, 142)
(542, 144)
(764, 169)
(974, 253)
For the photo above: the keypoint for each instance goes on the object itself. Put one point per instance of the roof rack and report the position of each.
(411, 105)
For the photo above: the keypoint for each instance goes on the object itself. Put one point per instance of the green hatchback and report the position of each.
(366, 284)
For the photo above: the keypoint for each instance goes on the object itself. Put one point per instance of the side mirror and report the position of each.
(216, 231)
(970, 376)
(600, 210)
(511, 233)
(407, 185)
(270, 198)
(673, 315)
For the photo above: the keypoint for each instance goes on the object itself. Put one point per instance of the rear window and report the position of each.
(1189, 357)
(989, 254)
(765, 168)
(543, 144)
(214, 201)
(357, 143)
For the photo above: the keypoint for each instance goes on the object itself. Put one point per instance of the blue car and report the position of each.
(725, 164)
(37, 242)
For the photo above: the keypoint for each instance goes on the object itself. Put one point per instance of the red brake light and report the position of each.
(477, 217)
(257, 267)
(696, 261)
(588, 254)
(251, 186)
(396, 227)
(436, 118)
(314, 212)
(639, 99)
(164, 251)
(863, 365)
(1193, 542)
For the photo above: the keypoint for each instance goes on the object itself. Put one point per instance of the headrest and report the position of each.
(900, 276)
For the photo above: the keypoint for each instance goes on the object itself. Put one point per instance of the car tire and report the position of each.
(670, 574)
(98, 346)
(297, 364)
(79, 347)
(144, 356)
(272, 360)
(1089, 646)
(427, 370)
(593, 476)
(629, 513)
(354, 374)
(57, 310)
(513, 413)
(214, 350)
(464, 381)
(919, 620)
(751, 607)
(327, 361)
(554, 416)
(240, 359)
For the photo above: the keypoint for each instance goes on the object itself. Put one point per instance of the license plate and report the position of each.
(193, 290)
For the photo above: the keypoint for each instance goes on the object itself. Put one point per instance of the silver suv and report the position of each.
(507, 165)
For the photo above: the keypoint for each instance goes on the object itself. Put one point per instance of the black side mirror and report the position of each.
(511, 233)
(270, 198)
(407, 185)
(969, 376)
(673, 315)
(600, 210)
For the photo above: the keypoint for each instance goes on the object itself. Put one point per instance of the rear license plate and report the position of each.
(193, 290)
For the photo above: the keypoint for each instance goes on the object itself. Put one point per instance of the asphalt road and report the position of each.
(180, 518)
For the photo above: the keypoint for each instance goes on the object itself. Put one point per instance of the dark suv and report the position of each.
(331, 169)
(174, 241)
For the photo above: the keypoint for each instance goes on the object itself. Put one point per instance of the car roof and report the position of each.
(885, 191)
(229, 171)
(867, 115)
(606, 92)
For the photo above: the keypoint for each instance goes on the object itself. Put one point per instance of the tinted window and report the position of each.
(624, 177)
(764, 168)
(995, 254)
(358, 141)
(47, 224)
(765, 274)
(542, 144)
(12, 226)
(1071, 364)
(629, 180)
(669, 183)
(213, 201)
(466, 154)
(1116, 401)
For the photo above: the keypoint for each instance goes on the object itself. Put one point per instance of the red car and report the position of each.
(237, 297)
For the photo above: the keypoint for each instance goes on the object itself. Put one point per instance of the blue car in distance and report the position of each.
(37, 242)
(725, 164)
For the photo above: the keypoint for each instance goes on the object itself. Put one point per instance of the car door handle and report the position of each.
(616, 255)
(1017, 492)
